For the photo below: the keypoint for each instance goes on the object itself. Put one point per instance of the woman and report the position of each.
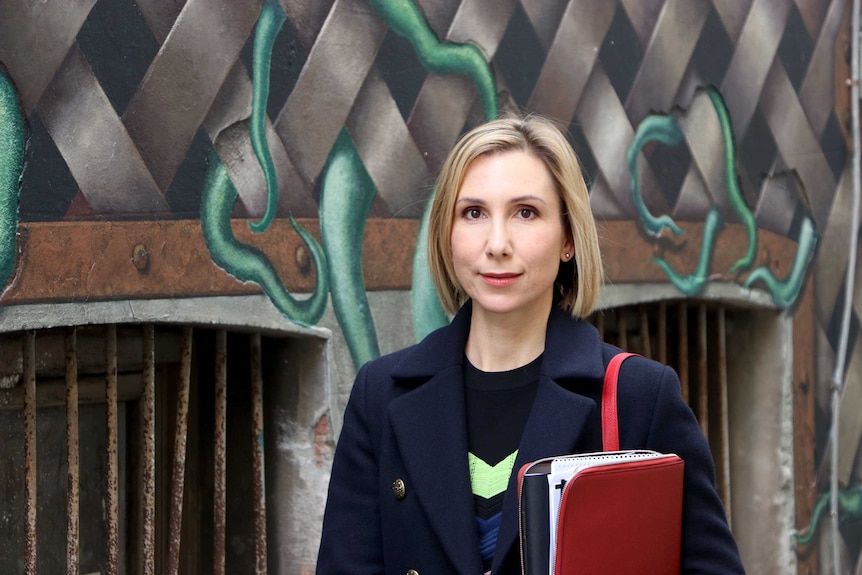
(423, 481)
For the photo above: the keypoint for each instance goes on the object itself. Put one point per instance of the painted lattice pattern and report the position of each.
(600, 66)
(124, 133)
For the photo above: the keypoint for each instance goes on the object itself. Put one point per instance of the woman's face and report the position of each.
(507, 234)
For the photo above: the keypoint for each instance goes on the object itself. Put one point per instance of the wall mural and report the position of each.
(667, 131)
(346, 195)
(234, 147)
(12, 143)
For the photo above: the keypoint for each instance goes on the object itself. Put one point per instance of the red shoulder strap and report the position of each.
(610, 426)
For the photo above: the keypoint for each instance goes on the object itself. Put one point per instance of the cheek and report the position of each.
(462, 244)
(457, 257)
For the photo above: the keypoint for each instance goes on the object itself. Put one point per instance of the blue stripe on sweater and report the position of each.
(488, 529)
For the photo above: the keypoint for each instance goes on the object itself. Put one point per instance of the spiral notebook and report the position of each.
(609, 513)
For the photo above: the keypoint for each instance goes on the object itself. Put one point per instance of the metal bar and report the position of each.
(73, 521)
(179, 467)
(600, 324)
(621, 328)
(724, 480)
(683, 350)
(662, 332)
(702, 371)
(646, 348)
(259, 483)
(220, 472)
(30, 451)
(148, 432)
(112, 527)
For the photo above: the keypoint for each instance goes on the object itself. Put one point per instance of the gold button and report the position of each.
(412, 571)
(400, 490)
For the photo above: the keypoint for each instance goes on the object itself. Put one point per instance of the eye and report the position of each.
(472, 213)
(527, 213)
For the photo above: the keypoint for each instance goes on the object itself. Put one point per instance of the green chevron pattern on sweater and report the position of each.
(490, 480)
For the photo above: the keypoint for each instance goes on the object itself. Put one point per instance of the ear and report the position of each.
(567, 253)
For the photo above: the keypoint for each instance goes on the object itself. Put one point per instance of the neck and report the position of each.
(504, 342)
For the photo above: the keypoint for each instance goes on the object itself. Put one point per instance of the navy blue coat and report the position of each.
(406, 420)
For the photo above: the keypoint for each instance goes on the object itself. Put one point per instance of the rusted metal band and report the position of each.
(72, 455)
(179, 467)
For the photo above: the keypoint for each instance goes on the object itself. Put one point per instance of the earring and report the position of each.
(568, 255)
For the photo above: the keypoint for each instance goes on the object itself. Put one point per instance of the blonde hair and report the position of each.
(579, 280)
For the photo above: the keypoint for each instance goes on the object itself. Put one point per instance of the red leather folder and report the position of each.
(620, 512)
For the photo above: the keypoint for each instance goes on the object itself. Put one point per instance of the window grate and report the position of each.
(159, 394)
(691, 338)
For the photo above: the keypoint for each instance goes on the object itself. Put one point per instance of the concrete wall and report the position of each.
(760, 399)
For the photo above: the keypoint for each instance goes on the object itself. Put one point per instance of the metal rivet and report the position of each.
(303, 260)
(399, 489)
(412, 572)
(141, 257)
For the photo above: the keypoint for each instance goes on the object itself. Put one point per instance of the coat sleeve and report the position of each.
(707, 544)
(351, 540)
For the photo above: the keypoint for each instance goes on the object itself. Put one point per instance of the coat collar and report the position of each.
(430, 425)
(573, 349)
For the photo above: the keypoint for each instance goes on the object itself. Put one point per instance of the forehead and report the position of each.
(502, 174)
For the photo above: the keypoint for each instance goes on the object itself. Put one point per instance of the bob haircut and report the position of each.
(578, 280)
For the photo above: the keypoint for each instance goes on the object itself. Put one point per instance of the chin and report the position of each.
(503, 304)
(498, 306)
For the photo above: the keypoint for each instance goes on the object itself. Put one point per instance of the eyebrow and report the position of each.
(517, 200)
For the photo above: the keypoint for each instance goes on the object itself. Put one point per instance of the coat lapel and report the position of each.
(431, 431)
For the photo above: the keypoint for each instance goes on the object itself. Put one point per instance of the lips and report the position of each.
(500, 279)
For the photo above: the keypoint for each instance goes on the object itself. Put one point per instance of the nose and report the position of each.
(499, 241)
